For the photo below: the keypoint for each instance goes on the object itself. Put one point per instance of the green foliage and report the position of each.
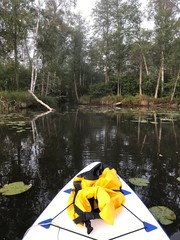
(15, 23)
(102, 89)
(16, 96)
(7, 77)
(73, 65)
(148, 85)
(85, 99)
(130, 84)
(51, 101)
(111, 99)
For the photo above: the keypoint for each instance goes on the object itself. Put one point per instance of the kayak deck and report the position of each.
(133, 222)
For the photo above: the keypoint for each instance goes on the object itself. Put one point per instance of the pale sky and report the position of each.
(85, 7)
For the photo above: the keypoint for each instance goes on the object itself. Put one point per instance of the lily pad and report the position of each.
(20, 130)
(163, 214)
(14, 188)
(139, 181)
(178, 179)
(154, 123)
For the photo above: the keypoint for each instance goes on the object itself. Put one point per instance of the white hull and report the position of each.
(128, 225)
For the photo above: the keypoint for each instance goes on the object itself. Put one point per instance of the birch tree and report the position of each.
(164, 13)
(102, 14)
(34, 62)
(126, 29)
(15, 22)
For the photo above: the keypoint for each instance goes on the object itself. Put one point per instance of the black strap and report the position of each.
(85, 217)
(94, 173)
(77, 187)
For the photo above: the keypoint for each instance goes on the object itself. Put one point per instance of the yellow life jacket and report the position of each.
(95, 194)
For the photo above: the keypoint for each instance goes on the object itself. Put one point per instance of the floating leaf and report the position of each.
(154, 123)
(139, 181)
(166, 119)
(140, 121)
(21, 130)
(14, 188)
(163, 214)
(178, 179)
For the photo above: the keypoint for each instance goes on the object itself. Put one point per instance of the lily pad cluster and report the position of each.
(14, 188)
(163, 214)
(17, 122)
(19, 126)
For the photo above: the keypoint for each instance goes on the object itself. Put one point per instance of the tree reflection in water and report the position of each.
(58, 145)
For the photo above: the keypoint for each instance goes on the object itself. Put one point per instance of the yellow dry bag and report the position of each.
(95, 194)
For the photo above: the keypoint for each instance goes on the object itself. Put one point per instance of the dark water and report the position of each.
(48, 151)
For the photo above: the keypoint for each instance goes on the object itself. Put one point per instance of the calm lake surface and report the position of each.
(47, 151)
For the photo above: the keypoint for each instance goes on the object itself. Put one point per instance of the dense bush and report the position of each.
(102, 89)
(7, 77)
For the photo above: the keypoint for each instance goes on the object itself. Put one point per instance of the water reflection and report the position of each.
(54, 147)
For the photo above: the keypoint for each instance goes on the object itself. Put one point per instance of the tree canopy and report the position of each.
(48, 44)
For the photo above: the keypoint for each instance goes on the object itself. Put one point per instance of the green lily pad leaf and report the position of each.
(178, 179)
(14, 188)
(139, 181)
(163, 214)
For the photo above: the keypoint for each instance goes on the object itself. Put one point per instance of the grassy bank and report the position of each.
(18, 100)
(131, 101)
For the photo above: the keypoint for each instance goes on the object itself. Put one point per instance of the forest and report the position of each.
(50, 49)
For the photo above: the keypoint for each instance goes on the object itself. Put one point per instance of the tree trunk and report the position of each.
(140, 78)
(34, 59)
(162, 73)
(119, 84)
(33, 78)
(16, 50)
(42, 83)
(157, 85)
(160, 77)
(118, 87)
(75, 88)
(106, 74)
(145, 64)
(39, 101)
(175, 85)
(47, 84)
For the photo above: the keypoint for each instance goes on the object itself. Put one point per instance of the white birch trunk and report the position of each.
(34, 59)
(145, 64)
(140, 78)
(41, 102)
(175, 85)
(162, 73)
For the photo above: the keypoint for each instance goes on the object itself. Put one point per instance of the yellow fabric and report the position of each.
(109, 201)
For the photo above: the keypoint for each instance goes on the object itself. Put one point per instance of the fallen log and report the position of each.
(41, 102)
(117, 104)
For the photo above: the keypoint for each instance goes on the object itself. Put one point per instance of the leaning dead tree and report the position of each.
(41, 102)
(36, 62)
